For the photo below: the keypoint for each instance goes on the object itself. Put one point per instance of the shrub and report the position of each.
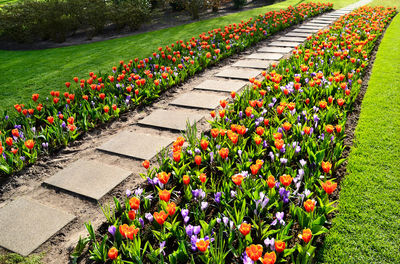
(239, 3)
(177, 5)
(17, 21)
(30, 20)
(194, 7)
(130, 13)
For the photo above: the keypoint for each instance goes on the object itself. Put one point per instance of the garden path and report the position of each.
(55, 209)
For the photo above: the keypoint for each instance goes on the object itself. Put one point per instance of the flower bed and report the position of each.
(49, 122)
(257, 187)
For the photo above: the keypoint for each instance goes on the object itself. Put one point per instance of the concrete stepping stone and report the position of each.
(319, 22)
(88, 178)
(265, 56)
(256, 64)
(316, 25)
(233, 73)
(136, 145)
(305, 30)
(198, 100)
(298, 34)
(284, 44)
(221, 85)
(281, 50)
(293, 39)
(27, 224)
(171, 119)
(323, 20)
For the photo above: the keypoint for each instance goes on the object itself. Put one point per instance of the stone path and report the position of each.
(25, 224)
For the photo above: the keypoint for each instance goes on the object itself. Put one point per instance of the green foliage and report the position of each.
(17, 259)
(30, 20)
(239, 3)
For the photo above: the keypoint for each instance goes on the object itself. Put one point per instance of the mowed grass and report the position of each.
(367, 227)
(386, 3)
(26, 72)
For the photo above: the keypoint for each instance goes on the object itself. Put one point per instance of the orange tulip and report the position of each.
(245, 229)
(164, 195)
(286, 126)
(224, 152)
(271, 181)
(309, 205)
(260, 131)
(171, 208)
(186, 179)
(202, 245)
(203, 177)
(269, 258)
(329, 187)
(307, 235)
(134, 203)
(112, 253)
(197, 160)
(29, 144)
(204, 144)
(163, 177)
(160, 217)
(286, 180)
(237, 179)
(223, 103)
(9, 141)
(279, 143)
(15, 132)
(326, 166)
(132, 215)
(280, 246)
(254, 252)
(329, 129)
(50, 119)
(35, 97)
(146, 164)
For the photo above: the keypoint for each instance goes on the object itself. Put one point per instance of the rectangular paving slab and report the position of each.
(316, 25)
(284, 44)
(281, 50)
(305, 30)
(136, 145)
(89, 178)
(221, 85)
(298, 34)
(323, 21)
(311, 27)
(265, 56)
(293, 39)
(171, 119)
(198, 100)
(257, 64)
(27, 224)
(320, 21)
(233, 73)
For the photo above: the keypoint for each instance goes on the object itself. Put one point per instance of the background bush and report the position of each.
(30, 20)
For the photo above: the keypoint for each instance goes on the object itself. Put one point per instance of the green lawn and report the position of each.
(27, 72)
(386, 3)
(367, 227)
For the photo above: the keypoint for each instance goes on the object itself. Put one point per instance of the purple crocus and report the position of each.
(217, 197)
(189, 230)
(149, 217)
(112, 230)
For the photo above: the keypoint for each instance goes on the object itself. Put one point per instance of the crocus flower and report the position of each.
(112, 230)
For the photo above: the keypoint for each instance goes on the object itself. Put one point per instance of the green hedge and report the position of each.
(30, 20)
